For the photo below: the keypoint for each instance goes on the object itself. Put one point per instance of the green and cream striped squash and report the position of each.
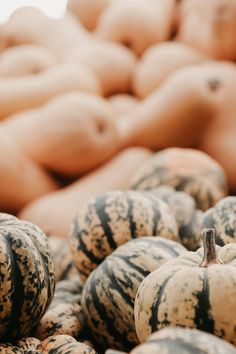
(194, 290)
(109, 292)
(27, 277)
(113, 218)
(188, 170)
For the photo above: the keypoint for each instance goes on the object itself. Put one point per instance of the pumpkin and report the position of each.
(136, 23)
(21, 180)
(109, 292)
(64, 344)
(122, 104)
(29, 91)
(183, 341)
(64, 315)
(209, 27)
(113, 218)
(55, 212)
(159, 61)
(187, 170)
(187, 216)
(222, 217)
(196, 290)
(27, 277)
(24, 60)
(78, 133)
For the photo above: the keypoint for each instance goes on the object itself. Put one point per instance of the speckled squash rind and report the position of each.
(27, 277)
(181, 293)
(223, 219)
(188, 170)
(183, 341)
(23, 346)
(114, 218)
(109, 292)
(64, 344)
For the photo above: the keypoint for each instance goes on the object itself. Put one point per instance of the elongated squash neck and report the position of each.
(210, 257)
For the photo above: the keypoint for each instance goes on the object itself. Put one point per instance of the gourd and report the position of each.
(183, 341)
(136, 23)
(196, 290)
(55, 212)
(27, 276)
(113, 218)
(24, 60)
(23, 346)
(217, 21)
(187, 170)
(29, 91)
(78, 133)
(64, 344)
(159, 62)
(222, 217)
(122, 104)
(109, 292)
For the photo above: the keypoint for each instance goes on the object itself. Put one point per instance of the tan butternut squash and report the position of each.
(55, 212)
(111, 62)
(161, 60)
(209, 26)
(73, 133)
(123, 104)
(136, 23)
(25, 59)
(21, 180)
(29, 91)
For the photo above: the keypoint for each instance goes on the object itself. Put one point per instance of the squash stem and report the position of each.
(210, 257)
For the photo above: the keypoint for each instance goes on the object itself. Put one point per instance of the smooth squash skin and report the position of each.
(25, 59)
(109, 292)
(21, 180)
(29, 91)
(195, 290)
(183, 341)
(136, 23)
(209, 27)
(122, 104)
(159, 62)
(71, 134)
(55, 212)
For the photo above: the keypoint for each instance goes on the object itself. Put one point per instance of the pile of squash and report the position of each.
(118, 178)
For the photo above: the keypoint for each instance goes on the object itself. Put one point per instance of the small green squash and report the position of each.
(113, 218)
(195, 290)
(109, 292)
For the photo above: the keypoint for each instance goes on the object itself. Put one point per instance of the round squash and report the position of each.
(114, 218)
(183, 341)
(196, 290)
(64, 344)
(27, 276)
(188, 170)
(109, 292)
(223, 219)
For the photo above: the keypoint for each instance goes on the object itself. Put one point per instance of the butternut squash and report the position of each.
(55, 212)
(21, 180)
(25, 59)
(159, 61)
(29, 91)
(73, 133)
(209, 26)
(136, 23)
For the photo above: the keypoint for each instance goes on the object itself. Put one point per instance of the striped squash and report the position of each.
(195, 290)
(223, 219)
(183, 341)
(64, 344)
(187, 216)
(23, 346)
(114, 218)
(186, 170)
(109, 292)
(27, 277)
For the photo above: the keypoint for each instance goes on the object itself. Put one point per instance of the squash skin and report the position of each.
(64, 344)
(222, 217)
(27, 273)
(186, 170)
(183, 341)
(25, 345)
(182, 293)
(112, 219)
(109, 292)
